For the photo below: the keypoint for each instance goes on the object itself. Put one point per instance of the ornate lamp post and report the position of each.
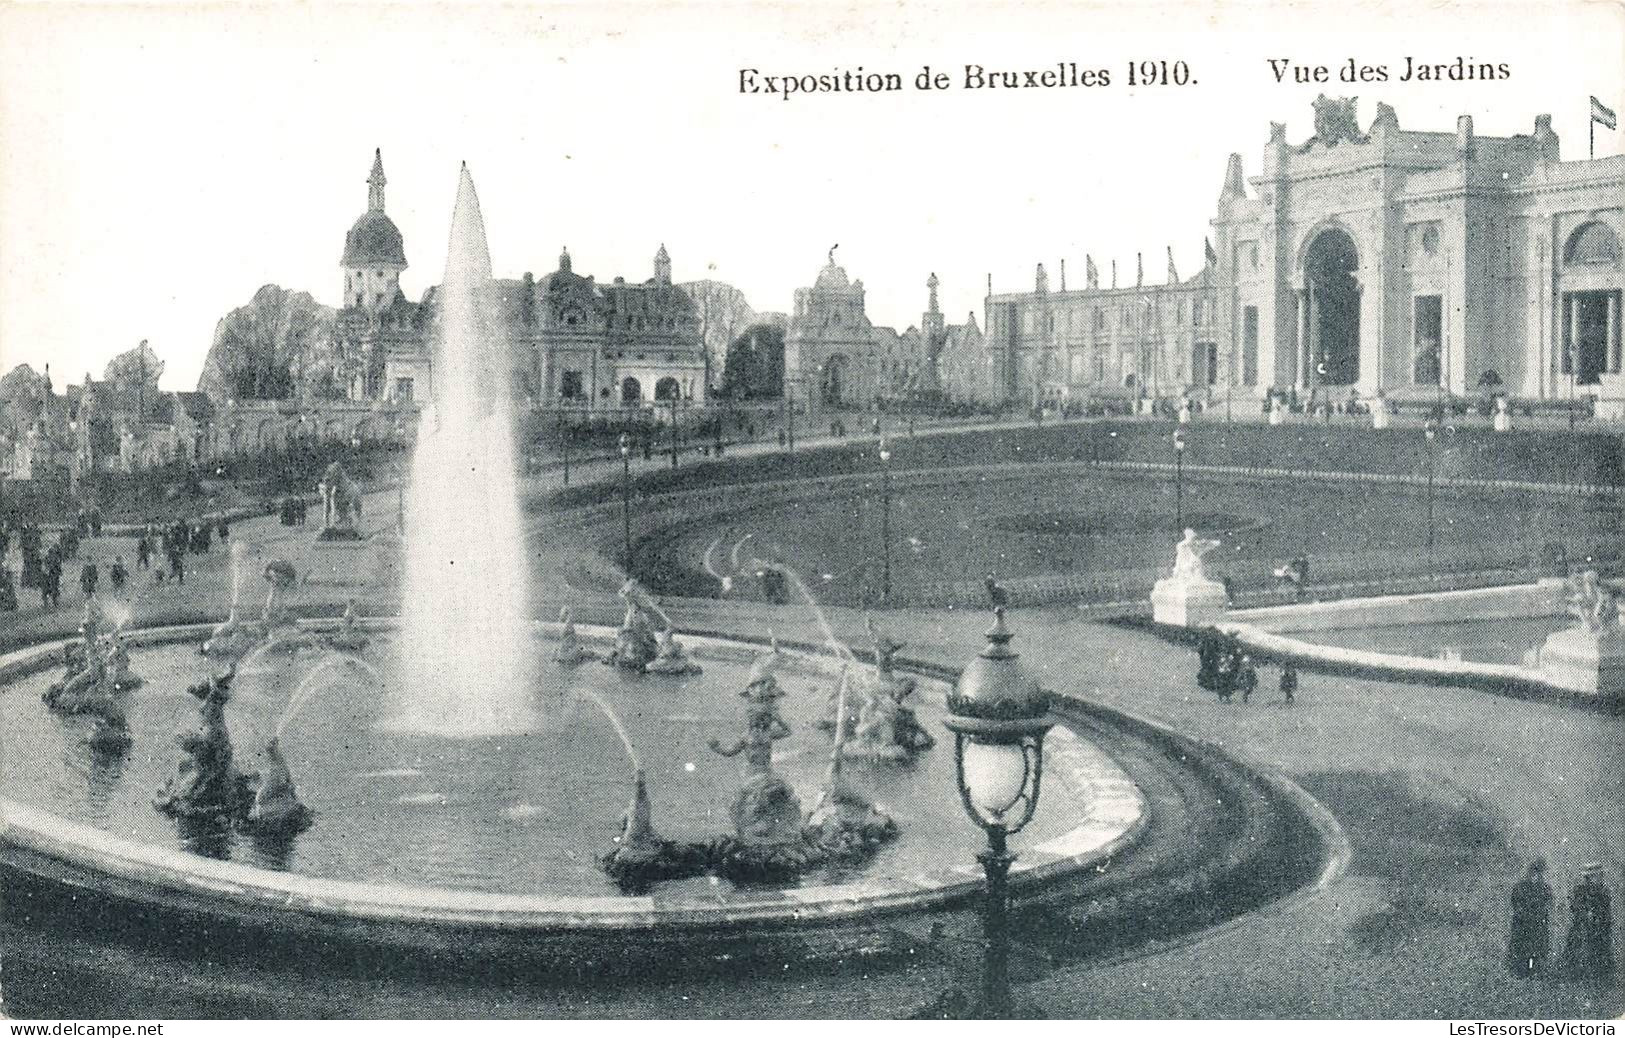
(1179, 479)
(885, 523)
(999, 717)
(626, 503)
(1431, 431)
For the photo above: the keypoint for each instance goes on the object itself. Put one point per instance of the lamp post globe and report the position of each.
(999, 716)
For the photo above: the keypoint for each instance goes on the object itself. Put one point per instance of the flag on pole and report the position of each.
(1601, 113)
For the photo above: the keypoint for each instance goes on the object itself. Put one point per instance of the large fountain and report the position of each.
(469, 668)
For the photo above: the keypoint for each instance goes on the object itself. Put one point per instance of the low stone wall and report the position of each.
(1544, 598)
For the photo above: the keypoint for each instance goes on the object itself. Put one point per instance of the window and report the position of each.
(571, 387)
(1593, 243)
(403, 390)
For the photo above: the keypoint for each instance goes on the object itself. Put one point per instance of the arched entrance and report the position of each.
(667, 389)
(1330, 321)
(834, 380)
(631, 391)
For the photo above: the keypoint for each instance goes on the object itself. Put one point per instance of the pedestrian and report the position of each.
(1207, 653)
(1588, 953)
(223, 528)
(1289, 682)
(1531, 932)
(51, 587)
(177, 564)
(8, 590)
(1246, 678)
(95, 521)
(89, 577)
(1224, 677)
(118, 575)
(143, 552)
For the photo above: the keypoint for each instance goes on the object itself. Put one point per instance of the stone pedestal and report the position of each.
(1379, 415)
(1585, 661)
(341, 564)
(1610, 405)
(1187, 602)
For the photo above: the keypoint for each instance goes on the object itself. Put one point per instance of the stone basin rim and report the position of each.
(146, 872)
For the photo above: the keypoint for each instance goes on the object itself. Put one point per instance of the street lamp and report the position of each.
(626, 503)
(999, 717)
(1179, 479)
(885, 523)
(1431, 431)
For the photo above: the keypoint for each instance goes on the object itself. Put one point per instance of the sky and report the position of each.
(162, 162)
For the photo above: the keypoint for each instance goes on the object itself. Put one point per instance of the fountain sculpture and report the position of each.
(206, 787)
(885, 729)
(569, 650)
(635, 643)
(767, 844)
(845, 824)
(95, 669)
(642, 856)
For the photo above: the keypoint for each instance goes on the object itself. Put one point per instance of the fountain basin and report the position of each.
(1091, 810)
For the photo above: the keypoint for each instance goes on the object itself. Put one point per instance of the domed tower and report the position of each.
(374, 255)
(662, 267)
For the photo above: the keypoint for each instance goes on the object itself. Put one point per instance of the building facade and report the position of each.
(836, 359)
(571, 341)
(1392, 262)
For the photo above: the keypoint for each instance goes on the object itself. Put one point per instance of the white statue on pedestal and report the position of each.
(1588, 657)
(1189, 597)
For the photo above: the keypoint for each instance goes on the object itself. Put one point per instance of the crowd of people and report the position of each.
(1588, 948)
(1225, 669)
(42, 564)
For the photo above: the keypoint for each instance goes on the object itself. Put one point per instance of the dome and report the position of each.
(374, 241)
(832, 277)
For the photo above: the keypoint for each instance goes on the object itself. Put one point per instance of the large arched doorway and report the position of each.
(667, 389)
(1333, 316)
(834, 383)
(631, 391)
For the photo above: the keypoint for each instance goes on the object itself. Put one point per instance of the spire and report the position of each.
(1234, 186)
(931, 283)
(1040, 280)
(564, 260)
(662, 266)
(376, 182)
(1063, 273)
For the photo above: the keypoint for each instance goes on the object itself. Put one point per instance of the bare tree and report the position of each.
(724, 314)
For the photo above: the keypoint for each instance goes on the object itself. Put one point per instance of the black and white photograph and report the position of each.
(924, 510)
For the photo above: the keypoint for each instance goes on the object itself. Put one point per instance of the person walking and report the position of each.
(1530, 941)
(143, 552)
(177, 564)
(89, 577)
(1246, 678)
(1588, 953)
(1289, 682)
(118, 575)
